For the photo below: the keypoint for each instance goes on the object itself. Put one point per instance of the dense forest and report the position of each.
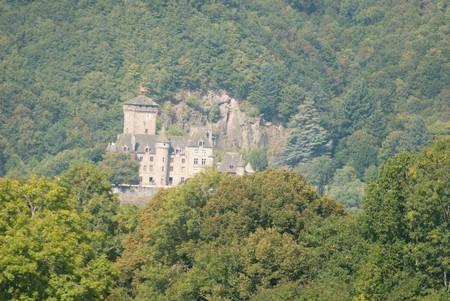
(357, 80)
(356, 206)
(266, 236)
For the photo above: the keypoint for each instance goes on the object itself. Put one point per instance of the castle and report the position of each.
(164, 160)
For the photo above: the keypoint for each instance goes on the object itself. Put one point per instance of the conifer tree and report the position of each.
(308, 139)
(357, 107)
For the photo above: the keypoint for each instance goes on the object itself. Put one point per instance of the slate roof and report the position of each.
(141, 100)
(142, 141)
(230, 162)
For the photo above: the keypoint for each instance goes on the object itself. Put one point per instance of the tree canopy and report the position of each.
(374, 67)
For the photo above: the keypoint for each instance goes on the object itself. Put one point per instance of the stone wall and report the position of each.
(134, 194)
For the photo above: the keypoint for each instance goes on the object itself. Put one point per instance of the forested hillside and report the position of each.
(357, 80)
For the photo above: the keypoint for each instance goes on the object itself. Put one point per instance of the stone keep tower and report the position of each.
(139, 116)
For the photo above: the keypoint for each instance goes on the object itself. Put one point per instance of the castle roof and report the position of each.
(140, 142)
(230, 162)
(141, 100)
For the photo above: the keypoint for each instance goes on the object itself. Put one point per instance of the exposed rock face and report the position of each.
(233, 125)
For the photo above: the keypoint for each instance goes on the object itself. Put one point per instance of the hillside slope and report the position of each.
(370, 77)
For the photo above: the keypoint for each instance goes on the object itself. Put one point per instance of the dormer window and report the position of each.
(201, 143)
(147, 149)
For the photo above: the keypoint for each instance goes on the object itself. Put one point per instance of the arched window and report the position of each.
(147, 149)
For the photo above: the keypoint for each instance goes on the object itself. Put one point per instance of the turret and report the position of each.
(162, 158)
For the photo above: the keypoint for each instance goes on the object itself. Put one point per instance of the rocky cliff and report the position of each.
(234, 125)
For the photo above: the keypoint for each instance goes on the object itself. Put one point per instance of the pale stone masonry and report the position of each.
(164, 160)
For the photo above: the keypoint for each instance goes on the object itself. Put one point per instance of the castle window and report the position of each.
(151, 158)
(203, 161)
(183, 160)
(171, 159)
(151, 180)
(145, 168)
(182, 180)
(201, 143)
(151, 168)
(125, 148)
(146, 131)
(182, 168)
(195, 161)
(163, 159)
(171, 168)
(170, 181)
(177, 151)
(147, 149)
(162, 169)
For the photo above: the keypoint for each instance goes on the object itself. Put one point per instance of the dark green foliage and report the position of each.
(66, 67)
(266, 93)
(346, 187)
(357, 107)
(225, 237)
(308, 138)
(358, 150)
(268, 236)
(257, 158)
(120, 168)
(319, 172)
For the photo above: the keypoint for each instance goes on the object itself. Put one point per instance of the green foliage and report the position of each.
(214, 113)
(174, 130)
(266, 236)
(359, 151)
(357, 106)
(319, 172)
(346, 187)
(47, 248)
(257, 157)
(405, 212)
(363, 63)
(121, 168)
(308, 138)
(222, 237)
(92, 191)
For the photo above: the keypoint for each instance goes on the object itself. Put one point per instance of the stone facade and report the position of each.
(139, 116)
(164, 160)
